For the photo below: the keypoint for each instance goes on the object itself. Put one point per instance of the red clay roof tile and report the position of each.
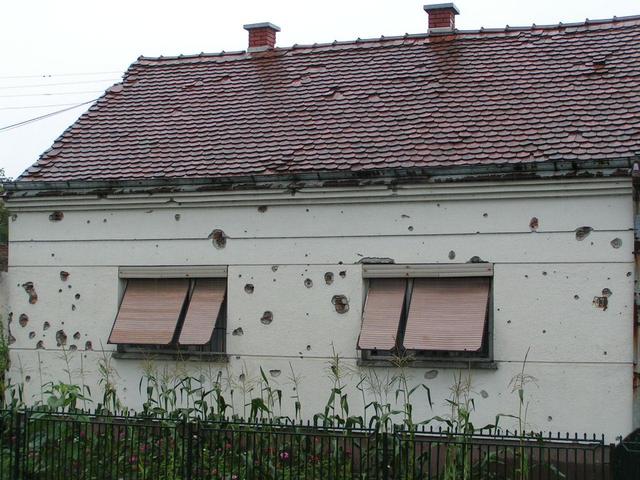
(523, 95)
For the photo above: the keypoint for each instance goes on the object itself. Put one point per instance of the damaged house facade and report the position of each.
(459, 198)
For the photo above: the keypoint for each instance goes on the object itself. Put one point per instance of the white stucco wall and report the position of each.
(544, 284)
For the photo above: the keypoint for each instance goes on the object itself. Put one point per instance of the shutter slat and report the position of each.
(382, 312)
(150, 311)
(203, 311)
(447, 314)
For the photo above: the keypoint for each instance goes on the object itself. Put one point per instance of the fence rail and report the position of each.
(43, 445)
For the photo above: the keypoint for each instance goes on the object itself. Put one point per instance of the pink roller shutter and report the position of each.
(382, 312)
(203, 311)
(150, 311)
(447, 314)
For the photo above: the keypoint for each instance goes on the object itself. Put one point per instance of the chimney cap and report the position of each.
(441, 6)
(254, 26)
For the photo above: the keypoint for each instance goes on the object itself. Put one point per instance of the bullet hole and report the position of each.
(484, 394)
(576, 297)
(485, 215)
(616, 242)
(177, 217)
(242, 377)
(69, 287)
(46, 326)
(604, 353)
(628, 274)
(405, 216)
(452, 255)
(341, 303)
(544, 273)
(410, 228)
(328, 278)
(33, 296)
(219, 238)
(508, 321)
(308, 282)
(475, 259)
(56, 216)
(544, 331)
(104, 220)
(306, 209)
(32, 335)
(606, 292)
(88, 221)
(238, 332)
(274, 268)
(14, 217)
(533, 224)
(431, 374)
(23, 319)
(583, 232)
(262, 208)
(61, 338)
(73, 348)
(76, 336)
(549, 418)
(248, 288)
(343, 273)
(267, 317)
(88, 345)
(77, 296)
(275, 373)
(64, 275)
(40, 345)
(27, 378)
(601, 302)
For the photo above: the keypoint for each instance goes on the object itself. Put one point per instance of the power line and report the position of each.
(48, 94)
(58, 84)
(42, 117)
(38, 106)
(51, 75)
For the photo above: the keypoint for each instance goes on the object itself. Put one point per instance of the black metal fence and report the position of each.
(42, 445)
(626, 458)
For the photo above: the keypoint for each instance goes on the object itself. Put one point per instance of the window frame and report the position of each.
(428, 358)
(174, 350)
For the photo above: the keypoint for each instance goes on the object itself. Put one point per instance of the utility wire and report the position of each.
(51, 75)
(42, 117)
(100, 80)
(50, 94)
(38, 106)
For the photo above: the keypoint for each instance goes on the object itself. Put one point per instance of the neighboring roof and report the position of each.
(507, 96)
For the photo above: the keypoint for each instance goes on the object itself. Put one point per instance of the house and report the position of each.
(464, 197)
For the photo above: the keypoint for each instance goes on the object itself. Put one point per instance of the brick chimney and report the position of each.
(442, 16)
(262, 35)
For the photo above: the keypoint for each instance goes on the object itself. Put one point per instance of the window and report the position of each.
(432, 312)
(170, 310)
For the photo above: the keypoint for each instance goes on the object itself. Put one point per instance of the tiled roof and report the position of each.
(515, 95)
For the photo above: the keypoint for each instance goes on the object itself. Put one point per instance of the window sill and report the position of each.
(480, 364)
(168, 355)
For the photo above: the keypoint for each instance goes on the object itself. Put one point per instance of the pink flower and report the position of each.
(284, 455)
(133, 459)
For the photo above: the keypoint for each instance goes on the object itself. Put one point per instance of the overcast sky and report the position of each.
(60, 53)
